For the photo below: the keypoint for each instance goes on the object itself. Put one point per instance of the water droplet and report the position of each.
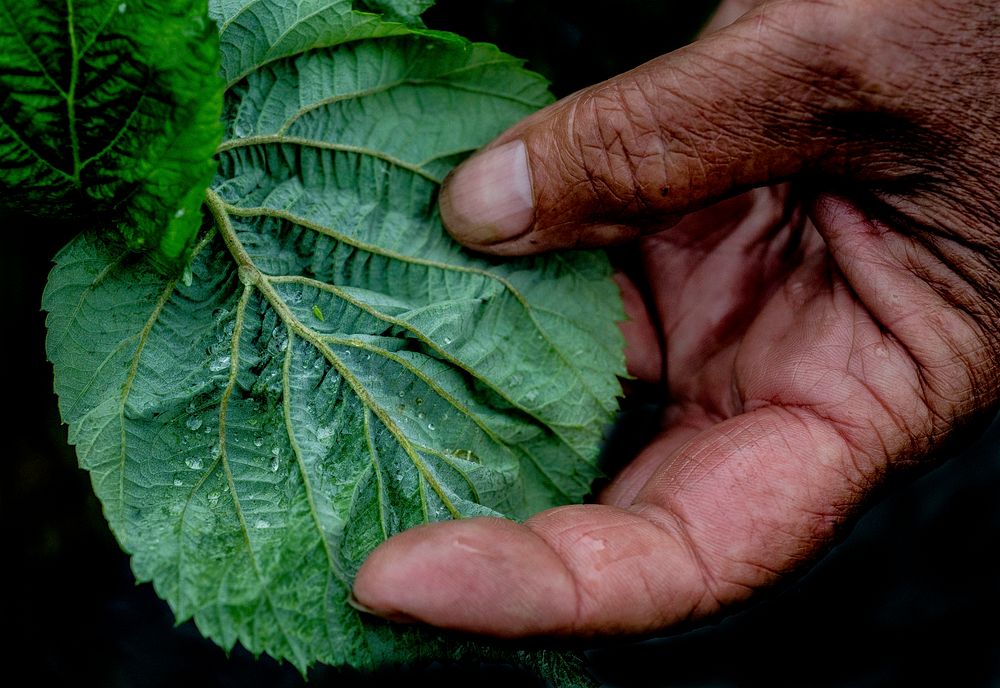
(193, 462)
(419, 401)
(324, 432)
(318, 363)
(216, 450)
(430, 426)
(180, 211)
(448, 340)
(193, 423)
(191, 407)
(276, 451)
(258, 441)
(242, 129)
(420, 415)
(187, 278)
(310, 409)
(262, 524)
(402, 394)
(178, 482)
(531, 396)
(122, 7)
(274, 464)
(220, 363)
(399, 477)
(213, 498)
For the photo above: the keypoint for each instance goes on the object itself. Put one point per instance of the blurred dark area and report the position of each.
(910, 597)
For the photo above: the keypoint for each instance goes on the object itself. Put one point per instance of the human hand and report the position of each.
(814, 335)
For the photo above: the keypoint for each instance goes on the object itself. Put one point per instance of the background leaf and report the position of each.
(109, 108)
(407, 11)
(333, 369)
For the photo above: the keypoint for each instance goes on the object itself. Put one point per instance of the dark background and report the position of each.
(910, 597)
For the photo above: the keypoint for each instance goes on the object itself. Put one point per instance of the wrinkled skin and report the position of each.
(812, 335)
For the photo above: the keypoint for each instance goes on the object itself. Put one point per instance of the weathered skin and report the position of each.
(839, 321)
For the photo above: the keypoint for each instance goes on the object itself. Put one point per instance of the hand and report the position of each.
(838, 321)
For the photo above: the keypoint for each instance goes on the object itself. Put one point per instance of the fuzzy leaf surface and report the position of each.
(110, 109)
(333, 369)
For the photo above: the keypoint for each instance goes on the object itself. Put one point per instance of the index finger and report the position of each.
(730, 511)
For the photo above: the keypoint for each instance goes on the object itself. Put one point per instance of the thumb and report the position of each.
(740, 108)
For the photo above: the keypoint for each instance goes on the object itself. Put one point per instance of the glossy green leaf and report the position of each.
(110, 109)
(334, 368)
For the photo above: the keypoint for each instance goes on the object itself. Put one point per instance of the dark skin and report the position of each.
(813, 335)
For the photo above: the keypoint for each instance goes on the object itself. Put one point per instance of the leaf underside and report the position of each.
(332, 369)
(110, 109)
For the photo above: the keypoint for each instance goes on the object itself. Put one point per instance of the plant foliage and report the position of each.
(109, 113)
(332, 368)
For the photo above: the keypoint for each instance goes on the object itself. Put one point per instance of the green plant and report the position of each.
(310, 365)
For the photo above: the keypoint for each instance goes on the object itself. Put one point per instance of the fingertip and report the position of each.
(488, 199)
(483, 575)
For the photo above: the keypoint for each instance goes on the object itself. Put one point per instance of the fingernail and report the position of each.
(397, 617)
(488, 199)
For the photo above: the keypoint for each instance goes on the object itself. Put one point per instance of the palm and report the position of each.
(779, 376)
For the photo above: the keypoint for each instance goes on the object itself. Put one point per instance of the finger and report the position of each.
(745, 106)
(643, 353)
(736, 506)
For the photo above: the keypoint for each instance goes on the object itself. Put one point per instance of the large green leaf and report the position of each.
(110, 108)
(333, 368)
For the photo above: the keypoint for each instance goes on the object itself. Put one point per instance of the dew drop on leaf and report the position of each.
(178, 482)
(258, 441)
(193, 423)
(275, 463)
(193, 462)
(219, 364)
(262, 524)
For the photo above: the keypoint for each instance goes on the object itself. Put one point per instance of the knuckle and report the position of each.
(619, 147)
